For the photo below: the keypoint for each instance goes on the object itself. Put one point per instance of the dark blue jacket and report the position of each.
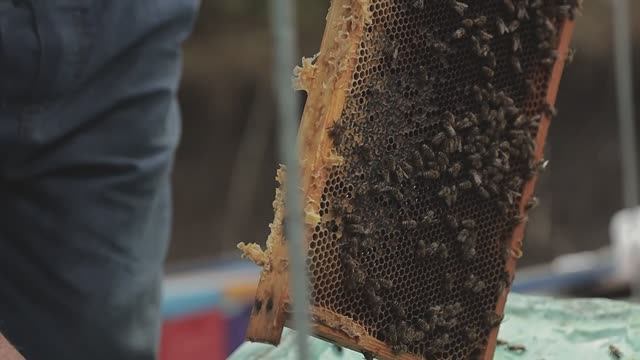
(89, 123)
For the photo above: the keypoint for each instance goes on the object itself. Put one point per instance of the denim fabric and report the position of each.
(88, 128)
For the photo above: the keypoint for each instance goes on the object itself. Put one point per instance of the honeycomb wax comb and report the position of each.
(420, 142)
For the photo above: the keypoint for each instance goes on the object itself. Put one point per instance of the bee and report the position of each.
(455, 169)
(363, 152)
(509, 5)
(468, 251)
(502, 27)
(399, 349)
(384, 173)
(463, 236)
(511, 196)
(485, 36)
(544, 45)
(375, 301)
(516, 348)
(504, 146)
(441, 342)
(549, 26)
(421, 249)
(391, 334)
(570, 55)
(483, 192)
(440, 47)
(385, 189)
(506, 278)
(548, 62)
(424, 326)
(431, 174)
(418, 4)
(386, 284)
(471, 335)
(534, 168)
(438, 139)
(397, 310)
(474, 284)
(530, 86)
(466, 122)
(521, 121)
(477, 93)
(337, 132)
(448, 282)
(449, 194)
(517, 44)
(413, 335)
(458, 6)
(477, 47)
(409, 224)
(615, 352)
(452, 145)
(468, 223)
(347, 217)
(480, 20)
(550, 110)
(465, 185)
(454, 309)
(515, 62)
(403, 170)
(432, 249)
(492, 62)
(352, 245)
(513, 26)
(430, 218)
(532, 203)
(563, 11)
(427, 152)
(443, 251)
(475, 177)
(442, 160)
(358, 278)
(522, 13)
(452, 222)
(518, 219)
(448, 127)
(483, 140)
(492, 319)
(470, 149)
(488, 72)
(476, 161)
(417, 160)
(357, 229)
(493, 188)
(468, 23)
(576, 9)
(536, 4)
(459, 34)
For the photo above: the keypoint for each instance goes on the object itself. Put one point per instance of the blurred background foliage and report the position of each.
(224, 176)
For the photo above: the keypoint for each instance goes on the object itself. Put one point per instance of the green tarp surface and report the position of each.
(548, 328)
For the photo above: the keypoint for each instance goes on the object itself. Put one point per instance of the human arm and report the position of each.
(8, 352)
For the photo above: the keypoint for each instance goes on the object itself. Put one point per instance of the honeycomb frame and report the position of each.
(331, 79)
